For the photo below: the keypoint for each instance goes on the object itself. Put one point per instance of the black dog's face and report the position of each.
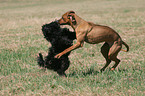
(53, 32)
(51, 28)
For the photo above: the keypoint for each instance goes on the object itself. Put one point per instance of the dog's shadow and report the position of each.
(85, 73)
(91, 71)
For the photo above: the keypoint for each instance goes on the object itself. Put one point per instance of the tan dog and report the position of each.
(93, 34)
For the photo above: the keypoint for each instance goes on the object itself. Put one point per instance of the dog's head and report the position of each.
(68, 18)
(51, 30)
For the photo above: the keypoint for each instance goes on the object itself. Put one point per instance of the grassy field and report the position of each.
(21, 40)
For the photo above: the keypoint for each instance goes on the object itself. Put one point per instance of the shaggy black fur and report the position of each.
(60, 39)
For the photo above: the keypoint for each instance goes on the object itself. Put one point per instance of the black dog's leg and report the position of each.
(61, 73)
(64, 66)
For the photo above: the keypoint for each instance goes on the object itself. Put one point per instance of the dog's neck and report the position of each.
(79, 21)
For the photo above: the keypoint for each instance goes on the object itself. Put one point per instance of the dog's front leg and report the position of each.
(75, 46)
(80, 41)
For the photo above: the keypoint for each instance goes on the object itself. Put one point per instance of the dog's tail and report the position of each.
(40, 60)
(125, 46)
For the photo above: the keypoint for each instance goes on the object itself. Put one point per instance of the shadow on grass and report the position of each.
(90, 71)
(122, 70)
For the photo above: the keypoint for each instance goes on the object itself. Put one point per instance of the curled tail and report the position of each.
(40, 60)
(125, 46)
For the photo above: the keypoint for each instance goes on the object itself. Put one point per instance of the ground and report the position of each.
(21, 40)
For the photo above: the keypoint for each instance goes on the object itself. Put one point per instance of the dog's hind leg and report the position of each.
(61, 73)
(64, 66)
(105, 50)
(113, 52)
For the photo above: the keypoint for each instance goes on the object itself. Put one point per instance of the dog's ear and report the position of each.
(70, 13)
(72, 17)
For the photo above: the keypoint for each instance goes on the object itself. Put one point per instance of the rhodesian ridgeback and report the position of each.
(93, 34)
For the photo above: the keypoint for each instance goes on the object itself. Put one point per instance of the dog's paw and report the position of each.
(112, 69)
(58, 56)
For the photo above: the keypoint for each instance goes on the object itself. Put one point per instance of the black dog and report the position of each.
(60, 39)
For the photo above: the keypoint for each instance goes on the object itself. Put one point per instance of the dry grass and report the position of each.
(21, 40)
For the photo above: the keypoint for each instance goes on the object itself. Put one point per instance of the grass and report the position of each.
(21, 40)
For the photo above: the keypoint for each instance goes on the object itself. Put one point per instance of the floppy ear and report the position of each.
(72, 17)
(70, 13)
